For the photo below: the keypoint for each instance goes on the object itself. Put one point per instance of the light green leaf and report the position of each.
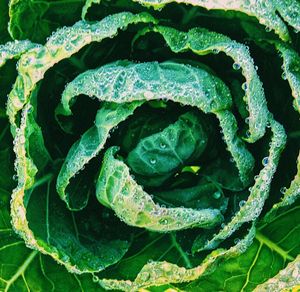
(23, 269)
(287, 279)
(87, 5)
(160, 155)
(89, 145)
(35, 20)
(251, 209)
(161, 273)
(264, 11)
(291, 70)
(62, 45)
(14, 49)
(116, 189)
(52, 229)
(272, 249)
(202, 42)
(170, 81)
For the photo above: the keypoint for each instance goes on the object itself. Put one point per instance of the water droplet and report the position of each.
(236, 66)
(217, 195)
(236, 240)
(163, 145)
(247, 120)
(265, 161)
(283, 76)
(268, 29)
(242, 203)
(283, 190)
(95, 279)
(245, 86)
(163, 221)
(152, 160)
(144, 276)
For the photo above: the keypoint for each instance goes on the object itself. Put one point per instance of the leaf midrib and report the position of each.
(273, 246)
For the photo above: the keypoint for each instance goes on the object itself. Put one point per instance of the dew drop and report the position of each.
(163, 221)
(217, 195)
(163, 145)
(244, 86)
(242, 203)
(152, 160)
(265, 161)
(283, 76)
(283, 190)
(236, 66)
(268, 29)
(95, 279)
(236, 240)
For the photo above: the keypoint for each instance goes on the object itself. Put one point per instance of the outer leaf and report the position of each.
(264, 11)
(252, 208)
(35, 20)
(287, 279)
(291, 194)
(14, 50)
(62, 45)
(87, 5)
(160, 273)
(21, 268)
(32, 67)
(202, 42)
(67, 238)
(291, 70)
(272, 249)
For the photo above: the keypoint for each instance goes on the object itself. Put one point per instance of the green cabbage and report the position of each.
(149, 145)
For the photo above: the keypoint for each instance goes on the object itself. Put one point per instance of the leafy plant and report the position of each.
(151, 145)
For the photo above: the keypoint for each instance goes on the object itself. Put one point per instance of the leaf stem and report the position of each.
(181, 251)
(273, 246)
(21, 269)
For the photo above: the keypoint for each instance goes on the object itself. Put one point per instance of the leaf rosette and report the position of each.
(143, 141)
